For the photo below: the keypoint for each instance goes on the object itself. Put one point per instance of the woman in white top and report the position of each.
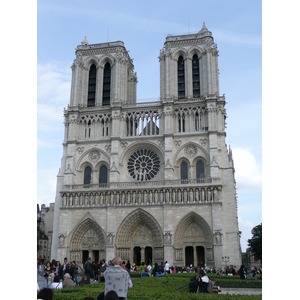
(56, 284)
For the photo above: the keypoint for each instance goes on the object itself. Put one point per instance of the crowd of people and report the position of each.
(111, 273)
(57, 275)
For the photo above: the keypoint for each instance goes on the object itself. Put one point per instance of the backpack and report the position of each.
(194, 284)
(210, 286)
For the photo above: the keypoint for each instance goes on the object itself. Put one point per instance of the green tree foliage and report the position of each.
(255, 243)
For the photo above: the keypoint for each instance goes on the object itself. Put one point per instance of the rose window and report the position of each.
(143, 165)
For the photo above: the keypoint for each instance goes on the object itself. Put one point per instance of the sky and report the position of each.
(258, 65)
(143, 27)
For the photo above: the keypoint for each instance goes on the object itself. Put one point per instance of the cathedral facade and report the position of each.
(149, 181)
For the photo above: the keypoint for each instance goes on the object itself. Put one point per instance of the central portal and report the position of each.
(137, 255)
(189, 256)
(148, 255)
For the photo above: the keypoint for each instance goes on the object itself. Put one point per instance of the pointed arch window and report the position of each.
(184, 172)
(106, 84)
(87, 175)
(180, 77)
(196, 76)
(92, 86)
(103, 175)
(200, 171)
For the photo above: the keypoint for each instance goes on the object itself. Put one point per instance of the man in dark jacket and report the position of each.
(102, 268)
(70, 270)
(88, 269)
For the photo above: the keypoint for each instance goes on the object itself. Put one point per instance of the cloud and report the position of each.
(53, 92)
(46, 186)
(247, 171)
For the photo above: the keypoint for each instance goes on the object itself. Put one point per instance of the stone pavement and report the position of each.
(241, 291)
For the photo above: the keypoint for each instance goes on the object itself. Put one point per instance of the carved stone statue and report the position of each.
(197, 195)
(216, 195)
(191, 196)
(167, 196)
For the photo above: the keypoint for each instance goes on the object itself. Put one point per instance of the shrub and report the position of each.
(161, 288)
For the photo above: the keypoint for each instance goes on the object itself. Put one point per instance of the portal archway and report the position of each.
(193, 241)
(140, 231)
(87, 239)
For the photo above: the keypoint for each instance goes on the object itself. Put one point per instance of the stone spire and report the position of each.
(204, 31)
(85, 42)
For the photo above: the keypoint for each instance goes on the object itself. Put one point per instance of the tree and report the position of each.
(255, 243)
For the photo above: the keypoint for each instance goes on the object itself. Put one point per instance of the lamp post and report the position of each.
(225, 259)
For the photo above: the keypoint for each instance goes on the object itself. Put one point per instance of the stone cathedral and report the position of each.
(148, 181)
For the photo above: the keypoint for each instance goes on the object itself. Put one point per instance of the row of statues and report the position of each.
(202, 195)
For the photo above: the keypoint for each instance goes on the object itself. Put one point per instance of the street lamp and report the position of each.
(225, 259)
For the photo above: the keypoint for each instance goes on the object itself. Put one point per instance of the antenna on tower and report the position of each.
(107, 33)
(189, 24)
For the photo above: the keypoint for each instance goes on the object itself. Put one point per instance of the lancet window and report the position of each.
(180, 77)
(183, 172)
(92, 86)
(106, 84)
(196, 76)
(87, 175)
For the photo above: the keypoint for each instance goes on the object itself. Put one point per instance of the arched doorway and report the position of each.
(193, 241)
(137, 255)
(140, 238)
(189, 255)
(87, 240)
(148, 255)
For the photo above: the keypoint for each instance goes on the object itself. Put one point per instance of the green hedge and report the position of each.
(158, 288)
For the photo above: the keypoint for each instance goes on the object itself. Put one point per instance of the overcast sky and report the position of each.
(143, 26)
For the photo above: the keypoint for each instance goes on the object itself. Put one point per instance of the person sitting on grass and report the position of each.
(143, 271)
(68, 282)
(83, 280)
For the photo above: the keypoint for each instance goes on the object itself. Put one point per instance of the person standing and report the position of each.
(70, 270)
(88, 269)
(128, 266)
(167, 268)
(59, 270)
(47, 271)
(117, 279)
(102, 269)
(76, 271)
(65, 264)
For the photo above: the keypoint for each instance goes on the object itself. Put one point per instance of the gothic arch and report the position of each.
(107, 58)
(195, 50)
(203, 153)
(104, 157)
(91, 60)
(87, 235)
(178, 52)
(194, 226)
(139, 228)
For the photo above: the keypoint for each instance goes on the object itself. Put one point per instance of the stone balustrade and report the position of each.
(146, 196)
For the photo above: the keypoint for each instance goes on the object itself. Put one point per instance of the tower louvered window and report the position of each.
(92, 86)
(181, 85)
(196, 76)
(106, 84)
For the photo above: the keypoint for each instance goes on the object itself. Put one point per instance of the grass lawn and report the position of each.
(163, 288)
